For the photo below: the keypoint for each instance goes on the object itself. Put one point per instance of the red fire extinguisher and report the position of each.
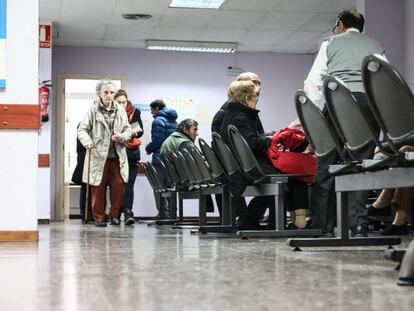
(44, 99)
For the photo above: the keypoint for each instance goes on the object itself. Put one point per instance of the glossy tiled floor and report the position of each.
(76, 267)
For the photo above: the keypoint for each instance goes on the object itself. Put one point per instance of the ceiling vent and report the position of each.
(136, 16)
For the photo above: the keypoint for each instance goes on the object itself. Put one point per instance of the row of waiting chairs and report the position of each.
(225, 163)
(392, 104)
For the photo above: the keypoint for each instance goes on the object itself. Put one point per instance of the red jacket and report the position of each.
(287, 161)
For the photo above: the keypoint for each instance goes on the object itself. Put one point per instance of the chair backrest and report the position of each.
(150, 178)
(350, 121)
(157, 179)
(172, 156)
(216, 168)
(189, 161)
(244, 155)
(171, 170)
(318, 131)
(225, 155)
(162, 169)
(201, 164)
(390, 99)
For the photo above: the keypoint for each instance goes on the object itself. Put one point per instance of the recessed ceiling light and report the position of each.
(196, 4)
(136, 16)
(191, 46)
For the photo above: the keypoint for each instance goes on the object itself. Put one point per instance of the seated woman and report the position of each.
(399, 198)
(242, 113)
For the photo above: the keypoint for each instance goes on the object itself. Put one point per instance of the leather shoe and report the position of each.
(396, 230)
(115, 222)
(385, 211)
(359, 231)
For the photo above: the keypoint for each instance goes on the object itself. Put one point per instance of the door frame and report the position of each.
(58, 211)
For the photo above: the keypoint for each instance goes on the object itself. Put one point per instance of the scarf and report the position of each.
(129, 110)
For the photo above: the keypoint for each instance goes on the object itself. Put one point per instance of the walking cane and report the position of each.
(85, 214)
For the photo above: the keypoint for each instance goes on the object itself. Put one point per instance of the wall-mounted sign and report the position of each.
(45, 34)
(3, 36)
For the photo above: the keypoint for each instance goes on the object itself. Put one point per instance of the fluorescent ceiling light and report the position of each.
(191, 46)
(196, 4)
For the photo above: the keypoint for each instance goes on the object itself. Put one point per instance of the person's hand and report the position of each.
(117, 137)
(88, 146)
(376, 150)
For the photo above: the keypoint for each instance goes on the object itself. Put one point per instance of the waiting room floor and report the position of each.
(81, 267)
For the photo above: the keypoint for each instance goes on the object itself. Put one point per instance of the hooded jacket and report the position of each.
(164, 125)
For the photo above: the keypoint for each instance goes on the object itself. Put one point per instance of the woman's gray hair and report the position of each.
(186, 124)
(105, 82)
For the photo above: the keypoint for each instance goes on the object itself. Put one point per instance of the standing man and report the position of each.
(341, 57)
(164, 125)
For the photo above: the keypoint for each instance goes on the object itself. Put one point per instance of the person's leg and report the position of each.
(117, 188)
(129, 193)
(98, 196)
(298, 201)
(384, 198)
(82, 197)
(322, 199)
(357, 199)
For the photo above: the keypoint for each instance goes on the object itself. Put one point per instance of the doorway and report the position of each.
(75, 94)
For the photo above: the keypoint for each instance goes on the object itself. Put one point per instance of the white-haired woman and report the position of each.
(103, 131)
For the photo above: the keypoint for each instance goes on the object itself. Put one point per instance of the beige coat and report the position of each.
(93, 129)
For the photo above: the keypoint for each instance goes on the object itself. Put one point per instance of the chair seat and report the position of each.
(349, 168)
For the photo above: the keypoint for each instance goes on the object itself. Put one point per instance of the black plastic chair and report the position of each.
(201, 165)
(391, 102)
(351, 123)
(260, 184)
(320, 134)
(341, 105)
(216, 168)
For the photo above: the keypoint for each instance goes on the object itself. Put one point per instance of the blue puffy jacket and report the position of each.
(164, 125)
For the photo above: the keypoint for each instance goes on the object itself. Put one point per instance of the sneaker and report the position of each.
(100, 223)
(115, 222)
(129, 221)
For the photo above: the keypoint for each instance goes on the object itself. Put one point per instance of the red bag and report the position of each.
(133, 143)
(290, 162)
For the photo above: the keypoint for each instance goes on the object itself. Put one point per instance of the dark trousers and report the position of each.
(128, 202)
(323, 196)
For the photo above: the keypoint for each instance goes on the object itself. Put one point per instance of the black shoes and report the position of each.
(115, 222)
(396, 230)
(129, 221)
(245, 222)
(100, 223)
(384, 212)
(328, 234)
(359, 231)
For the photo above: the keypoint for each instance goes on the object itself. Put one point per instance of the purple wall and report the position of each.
(153, 74)
(385, 21)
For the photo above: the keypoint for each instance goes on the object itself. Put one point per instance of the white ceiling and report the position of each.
(282, 26)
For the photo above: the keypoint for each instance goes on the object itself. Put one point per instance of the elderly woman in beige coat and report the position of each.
(103, 131)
